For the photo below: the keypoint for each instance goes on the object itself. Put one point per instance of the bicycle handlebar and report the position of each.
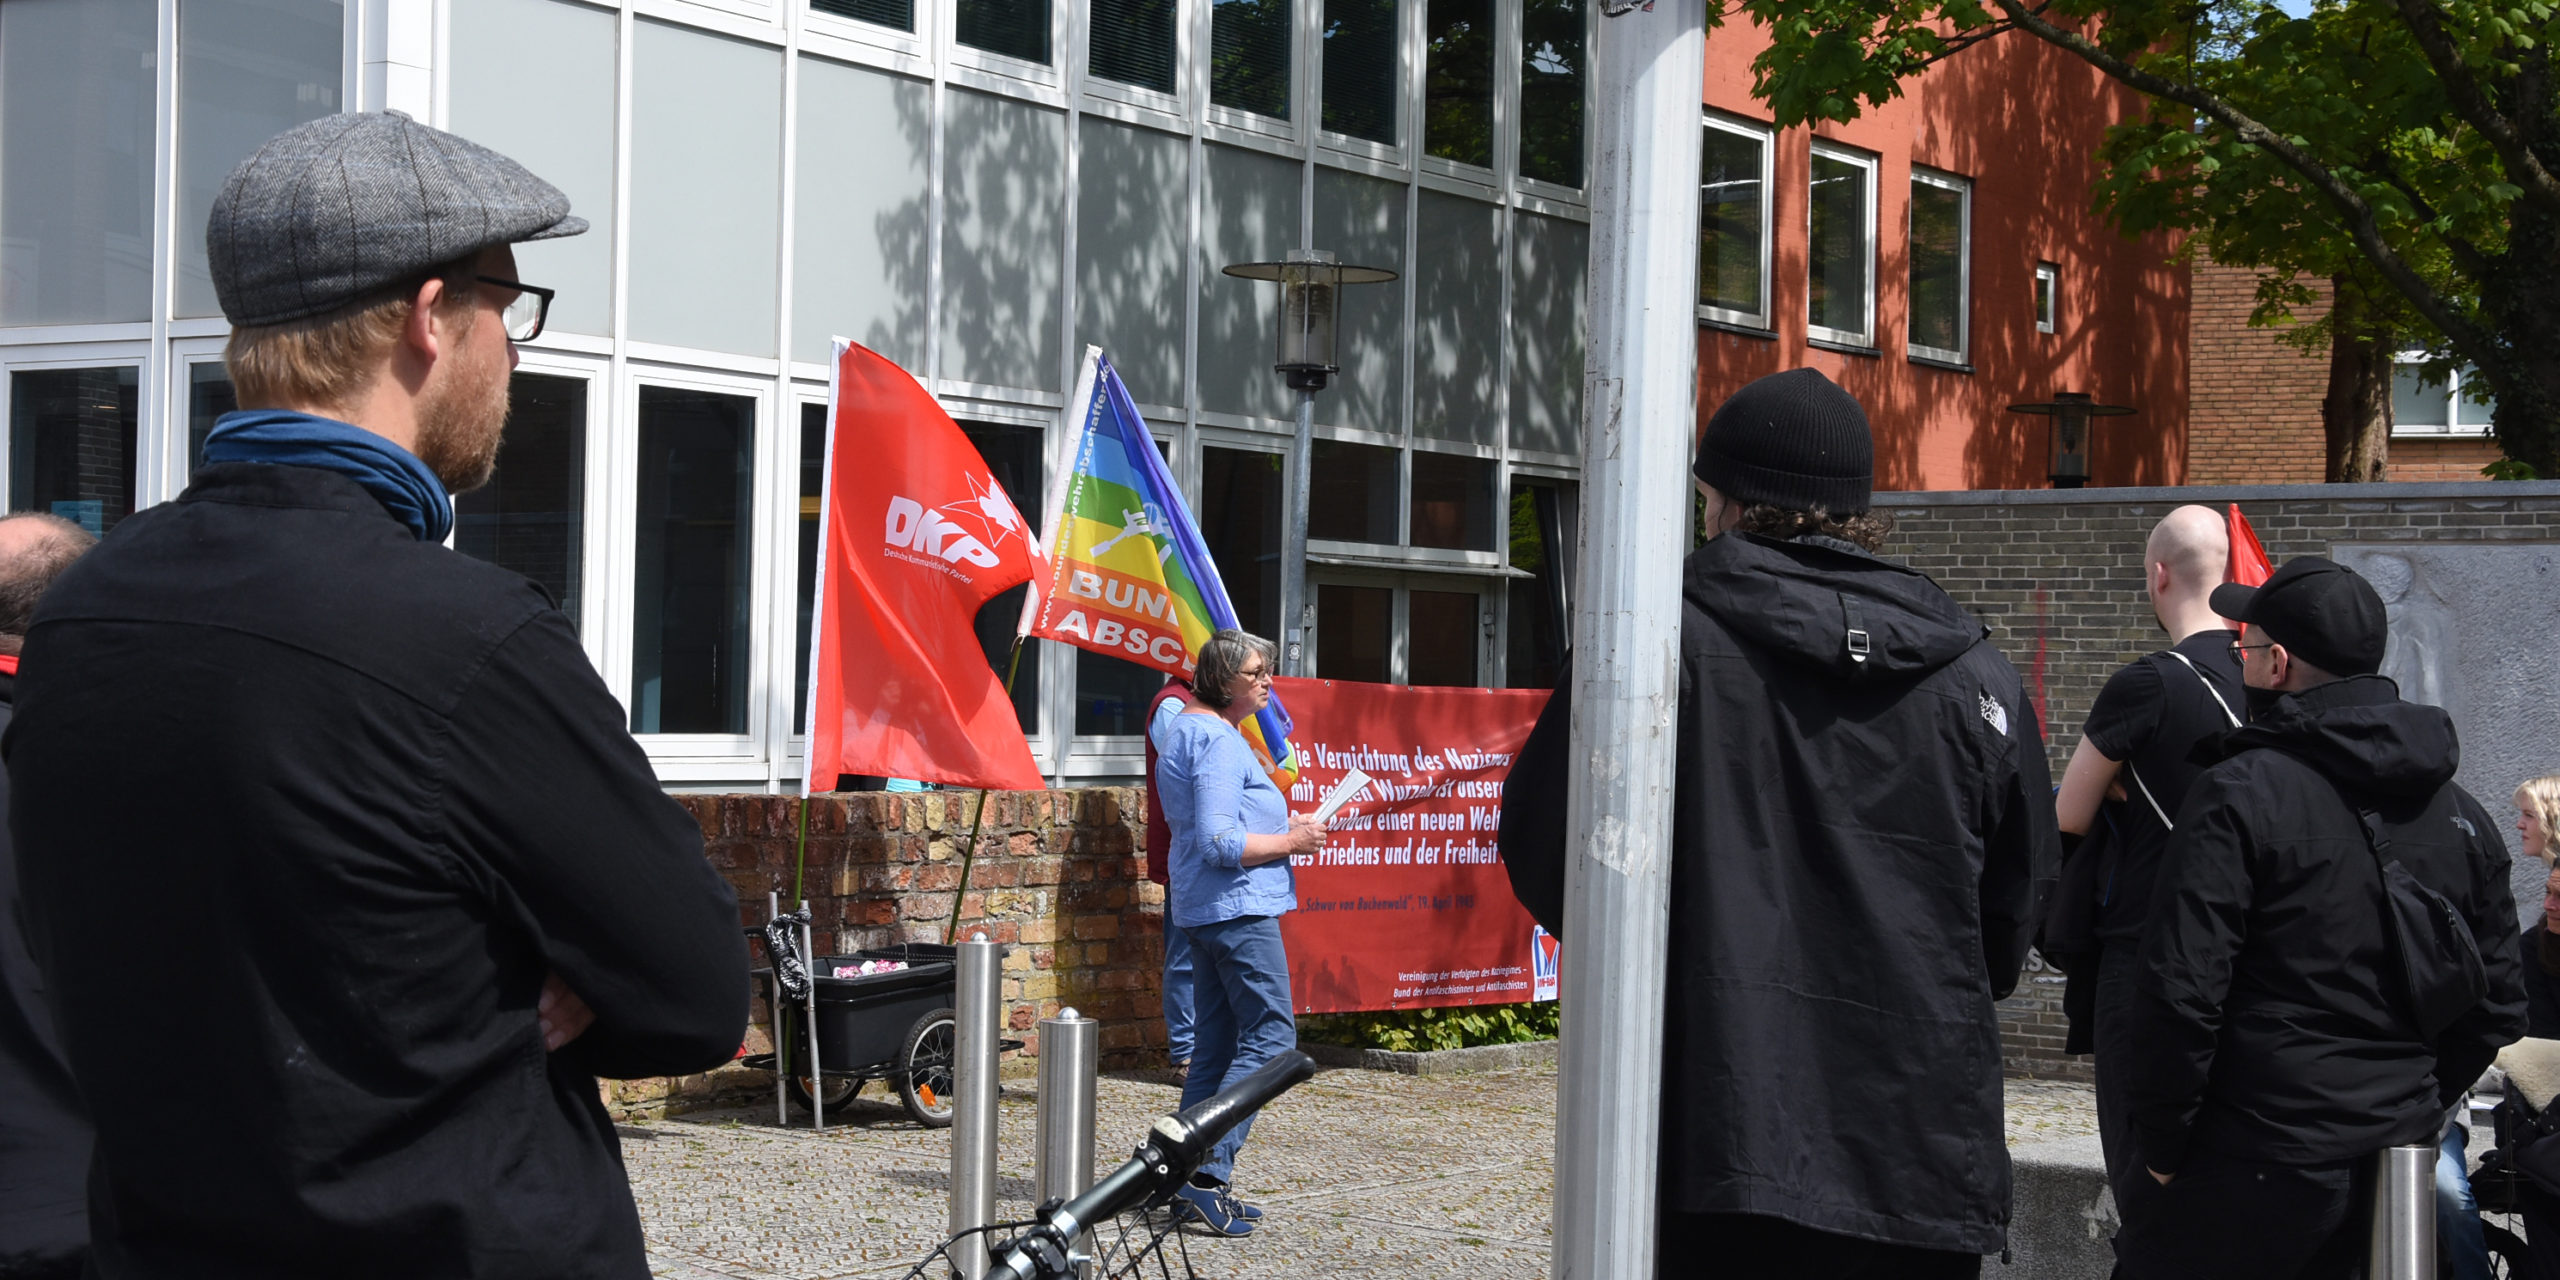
(1174, 1147)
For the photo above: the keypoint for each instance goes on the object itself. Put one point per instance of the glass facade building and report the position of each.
(976, 189)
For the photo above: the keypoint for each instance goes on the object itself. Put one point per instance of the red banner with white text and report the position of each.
(1407, 906)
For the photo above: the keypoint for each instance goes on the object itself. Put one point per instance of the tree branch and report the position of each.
(2463, 90)
(2468, 338)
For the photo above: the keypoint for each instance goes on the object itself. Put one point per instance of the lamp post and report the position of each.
(1310, 283)
(2071, 412)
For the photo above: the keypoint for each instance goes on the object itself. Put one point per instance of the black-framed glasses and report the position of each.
(2240, 650)
(526, 312)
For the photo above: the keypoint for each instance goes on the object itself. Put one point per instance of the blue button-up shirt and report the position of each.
(1214, 794)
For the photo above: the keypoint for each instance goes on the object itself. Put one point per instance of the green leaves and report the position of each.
(1429, 1030)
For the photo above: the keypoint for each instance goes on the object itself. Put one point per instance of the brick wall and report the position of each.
(2427, 460)
(2253, 404)
(1060, 874)
(2058, 578)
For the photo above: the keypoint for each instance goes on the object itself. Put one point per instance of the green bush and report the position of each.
(1423, 1030)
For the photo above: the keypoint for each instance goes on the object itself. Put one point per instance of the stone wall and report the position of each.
(2057, 575)
(1060, 874)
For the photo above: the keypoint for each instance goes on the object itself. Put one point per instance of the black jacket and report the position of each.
(44, 1138)
(2265, 1025)
(306, 810)
(1857, 855)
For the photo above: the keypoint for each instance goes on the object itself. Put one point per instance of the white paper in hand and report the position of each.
(1353, 785)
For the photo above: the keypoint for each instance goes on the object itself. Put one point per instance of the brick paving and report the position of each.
(1363, 1173)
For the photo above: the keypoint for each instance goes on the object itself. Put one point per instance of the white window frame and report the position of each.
(147, 429)
(1508, 113)
(1401, 584)
(184, 355)
(1481, 179)
(1248, 128)
(2454, 428)
(974, 68)
(833, 35)
(1761, 320)
(1138, 104)
(1408, 38)
(2049, 311)
(1962, 353)
(1863, 342)
(690, 757)
(594, 594)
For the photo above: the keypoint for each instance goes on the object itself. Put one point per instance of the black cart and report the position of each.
(896, 1026)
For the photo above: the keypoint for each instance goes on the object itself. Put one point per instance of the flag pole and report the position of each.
(969, 854)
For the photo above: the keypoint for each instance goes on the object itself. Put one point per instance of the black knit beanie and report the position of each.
(1794, 440)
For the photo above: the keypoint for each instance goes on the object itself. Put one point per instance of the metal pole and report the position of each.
(2404, 1214)
(1070, 1045)
(1293, 543)
(817, 1080)
(781, 1034)
(1640, 415)
(980, 1013)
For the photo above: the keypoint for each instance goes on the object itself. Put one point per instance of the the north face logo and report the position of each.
(1995, 715)
(917, 527)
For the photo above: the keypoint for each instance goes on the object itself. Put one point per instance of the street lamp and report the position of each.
(1310, 283)
(2071, 412)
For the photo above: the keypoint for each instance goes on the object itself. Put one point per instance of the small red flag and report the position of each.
(2249, 565)
(916, 535)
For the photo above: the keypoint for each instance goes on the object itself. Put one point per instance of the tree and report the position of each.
(2407, 150)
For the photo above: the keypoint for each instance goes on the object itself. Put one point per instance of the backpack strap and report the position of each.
(2218, 700)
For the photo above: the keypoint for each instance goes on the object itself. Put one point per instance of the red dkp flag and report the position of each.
(915, 535)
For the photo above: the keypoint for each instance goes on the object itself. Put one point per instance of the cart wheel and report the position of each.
(924, 1068)
(839, 1091)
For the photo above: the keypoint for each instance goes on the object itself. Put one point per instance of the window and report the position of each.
(1360, 81)
(1452, 502)
(209, 396)
(77, 89)
(2048, 286)
(247, 71)
(811, 526)
(1733, 223)
(1352, 493)
(1014, 28)
(71, 438)
(1840, 291)
(1249, 55)
(2454, 402)
(897, 14)
(531, 516)
(1240, 510)
(1012, 454)
(1445, 631)
(1355, 632)
(1551, 43)
(1542, 531)
(1132, 42)
(689, 645)
(1457, 81)
(1941, 265)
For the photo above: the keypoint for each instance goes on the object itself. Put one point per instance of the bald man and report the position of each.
(2132, 770)
(44, 1140)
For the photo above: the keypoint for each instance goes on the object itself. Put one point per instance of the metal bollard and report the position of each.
(2404, 1214)
(1069, 1047)
(980, 1013)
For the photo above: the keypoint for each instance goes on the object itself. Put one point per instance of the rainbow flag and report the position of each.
(1128, 574)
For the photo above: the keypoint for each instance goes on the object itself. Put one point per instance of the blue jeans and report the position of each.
(1240, 1015)
(2457, 1214)
(1177, 993)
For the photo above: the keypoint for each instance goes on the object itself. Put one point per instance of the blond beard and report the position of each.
(459, 429)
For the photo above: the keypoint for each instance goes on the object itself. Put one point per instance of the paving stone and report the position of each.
(1364, 1174)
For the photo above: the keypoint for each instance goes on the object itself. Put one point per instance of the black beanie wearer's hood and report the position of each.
(1793, 440)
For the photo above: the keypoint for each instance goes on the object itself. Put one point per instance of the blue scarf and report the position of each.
(287, 438)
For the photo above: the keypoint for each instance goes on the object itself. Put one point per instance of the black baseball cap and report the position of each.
(2319, 610)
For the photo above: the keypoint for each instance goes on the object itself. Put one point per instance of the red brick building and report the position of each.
(1939, 259)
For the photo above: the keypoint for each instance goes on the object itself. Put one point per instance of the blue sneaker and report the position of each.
(1216, 1209)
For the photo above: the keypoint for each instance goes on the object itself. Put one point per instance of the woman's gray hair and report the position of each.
(1221, 658)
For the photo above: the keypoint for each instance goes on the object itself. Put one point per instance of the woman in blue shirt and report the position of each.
(1232, 838)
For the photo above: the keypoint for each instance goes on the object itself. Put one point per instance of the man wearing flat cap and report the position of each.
(2331, 958)
(1859, 827)
(344, 876)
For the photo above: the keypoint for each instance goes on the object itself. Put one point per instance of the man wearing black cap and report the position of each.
(2307, 995)
(1859, 833)
(344, 877)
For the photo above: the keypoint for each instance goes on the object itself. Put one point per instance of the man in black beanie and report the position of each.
(2331, 959)
(1861, 835)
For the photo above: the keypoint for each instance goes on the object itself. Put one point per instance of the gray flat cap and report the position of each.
(335, 208)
